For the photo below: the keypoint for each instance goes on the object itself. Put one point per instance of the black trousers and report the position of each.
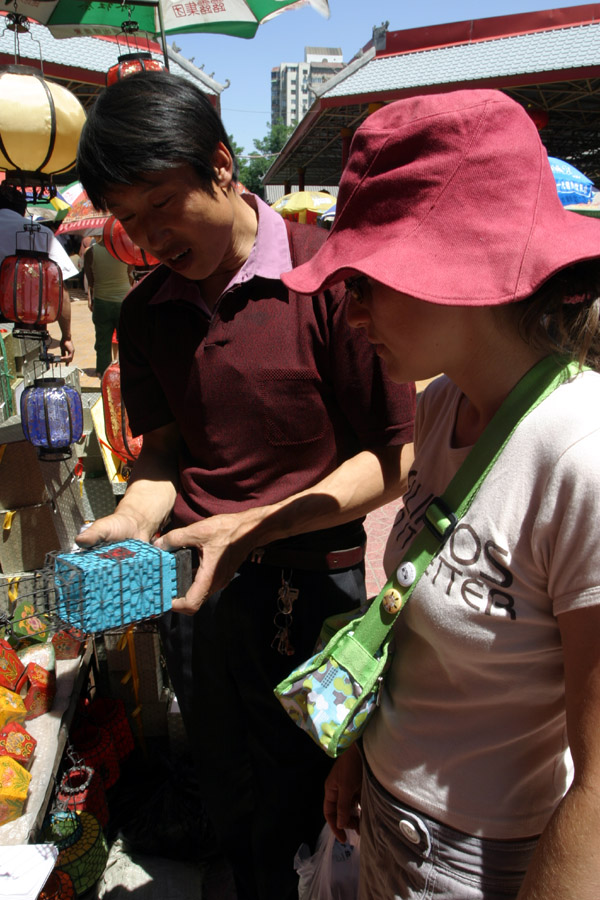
(261, 776)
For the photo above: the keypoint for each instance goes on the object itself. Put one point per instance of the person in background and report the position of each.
(13, 205)
(108, 281)
(460, 258)
(270, 430)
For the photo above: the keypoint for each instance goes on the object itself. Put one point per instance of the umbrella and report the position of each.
(587, 209)
(82, 216)
(572, 185)
(326, 218)
(240, 18)
(304, 206)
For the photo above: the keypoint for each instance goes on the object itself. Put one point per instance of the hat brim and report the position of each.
(568, 239)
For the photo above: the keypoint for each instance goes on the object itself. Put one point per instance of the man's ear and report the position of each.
(223, 165)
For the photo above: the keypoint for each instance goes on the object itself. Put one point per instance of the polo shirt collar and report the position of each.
(269, 257)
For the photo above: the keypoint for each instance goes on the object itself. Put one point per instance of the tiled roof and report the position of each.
(543, 51)
(90, 54)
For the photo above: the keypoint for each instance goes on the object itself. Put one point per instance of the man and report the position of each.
(108, 281)
(269, 431)
(13, 205)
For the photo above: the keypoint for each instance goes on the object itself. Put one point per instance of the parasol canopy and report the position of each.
(572, 185)
(239, 18)
(304, 206)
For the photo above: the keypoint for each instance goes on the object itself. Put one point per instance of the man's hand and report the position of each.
(67, 350)
(110, 529)
(223, 543)
(342, 793)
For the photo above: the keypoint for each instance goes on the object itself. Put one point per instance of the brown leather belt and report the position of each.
(312, 561)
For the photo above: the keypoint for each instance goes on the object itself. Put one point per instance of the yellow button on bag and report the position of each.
(392, 601)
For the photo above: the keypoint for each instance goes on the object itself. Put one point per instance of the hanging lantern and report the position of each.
(96, 748)
(40, 124)
(31, 284)
(58, 887)
(119, 244)
(132, 64)
(82, 847)
(52, 417)
(118, 432)
(538, 116)
(109, 713)
(82, 788)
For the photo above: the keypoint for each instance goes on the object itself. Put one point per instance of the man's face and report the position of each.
(172, 216)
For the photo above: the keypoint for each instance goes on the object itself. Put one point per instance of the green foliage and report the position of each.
(254, 165)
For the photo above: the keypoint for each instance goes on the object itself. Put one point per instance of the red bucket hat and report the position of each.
(450, 198)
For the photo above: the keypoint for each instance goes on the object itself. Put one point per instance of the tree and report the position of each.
(253, 166)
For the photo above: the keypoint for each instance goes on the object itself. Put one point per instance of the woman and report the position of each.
(459, 258)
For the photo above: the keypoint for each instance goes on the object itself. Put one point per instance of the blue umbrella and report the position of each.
(326, 218)
(572, 185)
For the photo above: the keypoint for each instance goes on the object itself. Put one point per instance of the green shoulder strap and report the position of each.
(443, 513)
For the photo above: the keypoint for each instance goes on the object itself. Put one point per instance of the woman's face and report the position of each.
(416, 339)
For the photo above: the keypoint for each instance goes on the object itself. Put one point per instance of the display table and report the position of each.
(50, 731)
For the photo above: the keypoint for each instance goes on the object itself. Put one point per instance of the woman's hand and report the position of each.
(341, 805)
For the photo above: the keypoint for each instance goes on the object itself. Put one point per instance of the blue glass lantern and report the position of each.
(52, 417)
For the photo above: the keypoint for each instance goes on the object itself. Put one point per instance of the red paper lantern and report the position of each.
(31, 287)
(96, 747)
(132, 64)
(118, 432)
(119, 244)
(109, 713)
(538, 116)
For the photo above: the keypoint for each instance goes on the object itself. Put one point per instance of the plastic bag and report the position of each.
(331, 873)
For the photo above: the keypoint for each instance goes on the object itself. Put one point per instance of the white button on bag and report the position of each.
(410, 831)
(406, 574)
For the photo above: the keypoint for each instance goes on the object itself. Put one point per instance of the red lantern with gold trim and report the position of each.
(118, 432)
(132, 64)
(119, 244)
(31, 286)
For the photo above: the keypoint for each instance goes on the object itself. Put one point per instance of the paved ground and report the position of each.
(82, 329)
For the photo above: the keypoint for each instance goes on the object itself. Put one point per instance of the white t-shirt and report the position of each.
(472, 728)
(11, 223)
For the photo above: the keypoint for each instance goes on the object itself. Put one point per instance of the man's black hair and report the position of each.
(148, 123)
(12, 198)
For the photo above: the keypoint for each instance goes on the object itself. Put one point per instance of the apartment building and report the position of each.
(293, 84)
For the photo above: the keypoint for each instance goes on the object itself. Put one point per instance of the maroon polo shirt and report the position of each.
(270, 393)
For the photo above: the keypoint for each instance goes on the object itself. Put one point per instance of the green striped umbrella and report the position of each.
(240, 18)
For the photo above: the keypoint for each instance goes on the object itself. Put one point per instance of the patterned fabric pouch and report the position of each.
(332, 695)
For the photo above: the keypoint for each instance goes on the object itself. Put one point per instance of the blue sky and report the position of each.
(245, 105)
